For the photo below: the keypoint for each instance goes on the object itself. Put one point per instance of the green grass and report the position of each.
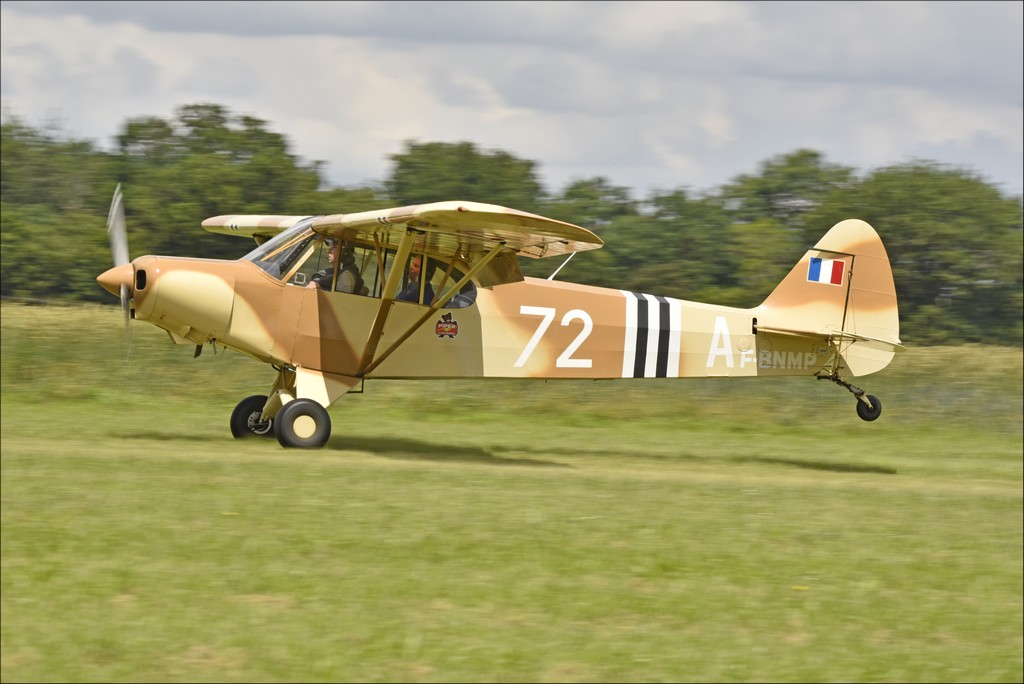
(462, 531)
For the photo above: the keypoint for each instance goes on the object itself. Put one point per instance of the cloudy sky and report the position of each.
(649, 95)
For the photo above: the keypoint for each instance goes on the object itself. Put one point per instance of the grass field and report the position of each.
(466, 531)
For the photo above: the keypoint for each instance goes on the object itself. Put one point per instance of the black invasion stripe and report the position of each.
(640, 359)
(665, 324)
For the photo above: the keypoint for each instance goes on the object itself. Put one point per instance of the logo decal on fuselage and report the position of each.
(446, 327)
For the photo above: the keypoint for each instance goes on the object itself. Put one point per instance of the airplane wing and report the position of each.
(453, 228)
(259, 227)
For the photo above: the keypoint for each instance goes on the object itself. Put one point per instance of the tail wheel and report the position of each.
(868, 405)
(245, 419)
(871, 412)
(302, 423)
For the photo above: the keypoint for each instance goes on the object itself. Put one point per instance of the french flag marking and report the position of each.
(828, 271)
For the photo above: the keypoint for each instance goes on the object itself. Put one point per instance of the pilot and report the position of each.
(411, 293)
(349, 279)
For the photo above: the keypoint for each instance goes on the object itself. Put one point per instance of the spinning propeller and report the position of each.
(122, 273)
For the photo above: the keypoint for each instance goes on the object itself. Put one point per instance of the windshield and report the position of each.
(283, 253)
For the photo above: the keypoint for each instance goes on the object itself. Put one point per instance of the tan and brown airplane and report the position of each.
(436, 291)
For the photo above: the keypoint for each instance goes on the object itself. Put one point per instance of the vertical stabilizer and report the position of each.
(842, 288)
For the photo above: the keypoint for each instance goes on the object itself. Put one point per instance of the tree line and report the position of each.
(953, 238)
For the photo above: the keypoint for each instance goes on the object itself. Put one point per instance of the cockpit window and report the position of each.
(445, 277)
(426, 284)
(300, 256)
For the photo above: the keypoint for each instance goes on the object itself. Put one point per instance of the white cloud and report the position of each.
(646, 94)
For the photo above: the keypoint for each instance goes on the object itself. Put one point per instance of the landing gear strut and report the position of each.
(869, 407)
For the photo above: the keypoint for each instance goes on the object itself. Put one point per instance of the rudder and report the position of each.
(843, 289)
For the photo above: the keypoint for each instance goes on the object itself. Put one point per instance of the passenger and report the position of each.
(411, 292)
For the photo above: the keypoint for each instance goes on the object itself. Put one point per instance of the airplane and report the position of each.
(473, 314)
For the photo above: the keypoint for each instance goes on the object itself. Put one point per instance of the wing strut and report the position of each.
(552, 276)
(454, 289)
(387, 300)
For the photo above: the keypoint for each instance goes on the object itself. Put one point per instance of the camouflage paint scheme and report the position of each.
(324, 343)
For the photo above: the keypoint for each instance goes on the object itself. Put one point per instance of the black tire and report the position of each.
(872, 413)
(245, 419)
(302, 423)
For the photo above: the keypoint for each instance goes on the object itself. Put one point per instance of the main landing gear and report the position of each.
(297, 422)
(301, 423)
(869, 407)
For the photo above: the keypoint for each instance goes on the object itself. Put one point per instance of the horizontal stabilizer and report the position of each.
(837, 336)
(873, 342)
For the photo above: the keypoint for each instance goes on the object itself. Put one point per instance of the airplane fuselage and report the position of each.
(535, 328)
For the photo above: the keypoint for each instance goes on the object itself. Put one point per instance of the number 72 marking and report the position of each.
(565, 360)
